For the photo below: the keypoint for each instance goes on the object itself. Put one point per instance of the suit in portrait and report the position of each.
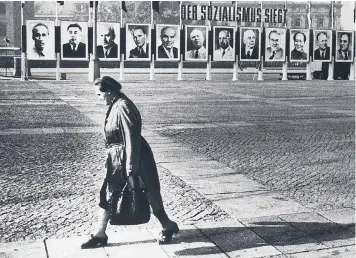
(135, 53)
(317, 54)
(297, 55)
(340, 55)
(277, 55)
(69, 52)
(254, 54)
(162, 53)
(114, 51)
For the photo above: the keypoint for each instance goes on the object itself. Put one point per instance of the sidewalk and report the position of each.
(265, 224)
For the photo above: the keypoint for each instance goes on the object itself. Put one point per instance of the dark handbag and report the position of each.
(132, 207)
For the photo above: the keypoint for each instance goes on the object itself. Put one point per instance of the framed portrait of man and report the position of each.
(224, 43)
(250, 44)
(74, 40)
(344, 46)
(168, 42)
(138, 42)
(108, 41)
(299, 45)
(40, 40)
(275, 47)
(322, 45)
(196, 43)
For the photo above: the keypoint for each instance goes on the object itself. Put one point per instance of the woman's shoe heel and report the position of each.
(94, 242)
(167, 234)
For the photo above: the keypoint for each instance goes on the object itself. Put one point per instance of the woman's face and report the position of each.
(105, 97)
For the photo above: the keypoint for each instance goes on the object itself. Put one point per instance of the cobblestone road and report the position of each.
(294, 136)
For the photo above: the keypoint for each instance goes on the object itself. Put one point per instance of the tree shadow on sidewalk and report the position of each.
(287, 236)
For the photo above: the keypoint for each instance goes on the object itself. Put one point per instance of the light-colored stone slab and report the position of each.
(283, 235)
(133, 243)
(340, 252)
(194, 247)
(51, 130)
(91, 129)
(31, 131)
(324, 230)
(220, 184)
(23, 249)
(256, 204)
(226, 226)
(70, 248)
(345, 217)
(10, 131)
(243, 243)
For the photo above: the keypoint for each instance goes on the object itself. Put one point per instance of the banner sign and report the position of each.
(232, 13)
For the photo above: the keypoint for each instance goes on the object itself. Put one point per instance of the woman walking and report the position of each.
(126, 148)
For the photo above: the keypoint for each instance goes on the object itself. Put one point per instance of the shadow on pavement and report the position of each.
(261, 234)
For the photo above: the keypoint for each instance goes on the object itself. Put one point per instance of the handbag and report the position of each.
(131, 207)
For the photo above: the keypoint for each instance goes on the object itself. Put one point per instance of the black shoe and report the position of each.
(166, 234)
(94, 242)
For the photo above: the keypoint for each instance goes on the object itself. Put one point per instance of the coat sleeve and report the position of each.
(131, 125)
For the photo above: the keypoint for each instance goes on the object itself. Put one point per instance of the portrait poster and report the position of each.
(108, 41)
(196, 43)
(275, 47)
(250, 44)
(168, 42)
(224, 43)
(299, 45)
(322, 45)
(344, 46)
(40, 40)
(74, 40)
(138, 42)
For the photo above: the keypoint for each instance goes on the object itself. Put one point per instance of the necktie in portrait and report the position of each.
(223, 53)
(346, 56)
(196, 55)
(106, 52)
(248, 54)
(272, 56)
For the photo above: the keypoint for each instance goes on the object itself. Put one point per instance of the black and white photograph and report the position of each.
(344, 46)
(138, 42)
(196, 43)
(177, 129)
(275, 50)
(40, 40)
(167, 42)
(299, 45)
(322, 45)
(224, 42)
(108, 40)
(74, 40)
(250, 44)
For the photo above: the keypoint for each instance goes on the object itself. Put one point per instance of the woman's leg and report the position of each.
(99, 238)
(169, 227)
(102, 223)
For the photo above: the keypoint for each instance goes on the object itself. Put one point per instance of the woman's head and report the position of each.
(107, 88)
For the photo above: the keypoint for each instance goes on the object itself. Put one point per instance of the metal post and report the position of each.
(6, 58)
(23, 53)
(260, 70)
(122, 55)
(152, 61)
(180, 68)
(208, 69)
(285, 63)
(58, 56)
(331, 64)
(94, 62)
(235, 72)
(308, 68)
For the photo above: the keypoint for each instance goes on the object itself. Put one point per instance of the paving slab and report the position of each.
(191, 242)
(329, 233)
(256, 204)
(238, 241)
(339, 252)
(345, 217)
(23, 249)
(133, 243)
(283, 235)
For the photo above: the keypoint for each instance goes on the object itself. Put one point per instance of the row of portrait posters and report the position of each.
(74, 45)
